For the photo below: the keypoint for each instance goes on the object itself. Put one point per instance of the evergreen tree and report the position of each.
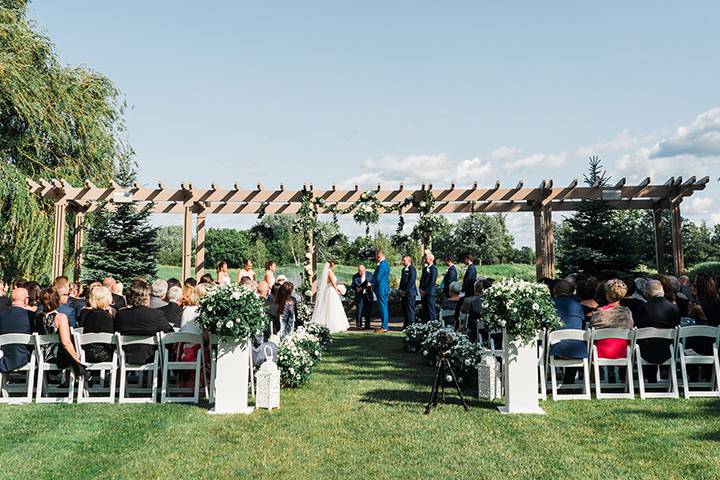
(596, 238)
(122, 243)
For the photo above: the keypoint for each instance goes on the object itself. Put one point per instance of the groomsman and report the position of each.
(408, 290)
(428, 288)
(363, 297)
(450, 276)
(470, 277)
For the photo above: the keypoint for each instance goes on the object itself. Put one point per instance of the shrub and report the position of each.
(708, 268)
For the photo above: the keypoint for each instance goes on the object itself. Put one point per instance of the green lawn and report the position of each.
(360, 416)
(345, 272)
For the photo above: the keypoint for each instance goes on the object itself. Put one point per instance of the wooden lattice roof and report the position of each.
(236, 200)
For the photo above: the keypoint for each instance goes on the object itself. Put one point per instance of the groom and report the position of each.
(381, 287)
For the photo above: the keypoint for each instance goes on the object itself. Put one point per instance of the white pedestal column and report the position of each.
(520, 372)
(231, 379)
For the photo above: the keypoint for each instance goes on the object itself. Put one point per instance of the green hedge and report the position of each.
(709, 268)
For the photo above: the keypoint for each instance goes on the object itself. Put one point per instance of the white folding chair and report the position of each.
(6, 387)
(172, 340)
(558, 336)
(597, 362)
(541, 343)
(45, 367)
(463, 320)
(690, 357)
(85, 388)
(498, 352)
(671, 384)
(151, 368)
(449, 314)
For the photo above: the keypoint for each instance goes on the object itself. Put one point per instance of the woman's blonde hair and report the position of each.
(100, 297)
(615, 290)
(198, 292)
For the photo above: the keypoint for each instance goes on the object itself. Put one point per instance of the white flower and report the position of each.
(535, 307)
(230, 324)
(236, 296)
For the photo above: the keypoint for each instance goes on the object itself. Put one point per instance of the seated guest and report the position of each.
(139, 319)
(681, 300)
(284, 309)
(635, 296)
(5, 301)
(173, 282)
(14, 319)
(190, 282)
(586, 289)
(190, 312)
(472, 306)
(613, 315)
(248, 283)
(705, 311)
(572, 316)
(173, 311)
(660, 313)
(159, 292)
(118, 300)
(52, 321)
(34, 306)
(62, 287)
(450, 303)
(263, 290)
(97, 319)
(667, 286)
(207, 279)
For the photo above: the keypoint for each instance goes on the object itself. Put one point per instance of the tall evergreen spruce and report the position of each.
(122, 244)
(596, 239)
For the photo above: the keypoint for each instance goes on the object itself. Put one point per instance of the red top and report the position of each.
(612, 348)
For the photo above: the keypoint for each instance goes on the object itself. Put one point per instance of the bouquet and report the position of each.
(341, 289)
(232, 311)
(520, 307)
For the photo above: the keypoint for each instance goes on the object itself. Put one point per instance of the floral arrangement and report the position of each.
(321, 332)
(465, 355)
(430, 346)
(305, 309)
(342, 289)
(520, 307)
(298, 353)
(232, 311)
(416, 334)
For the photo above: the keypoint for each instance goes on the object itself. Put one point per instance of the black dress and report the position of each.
(98, 321)
(54, 353)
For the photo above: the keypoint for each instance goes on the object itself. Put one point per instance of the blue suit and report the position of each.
(450, 277)
(69, 310)
(14, 320)
(408, 291)
(469, 280)
(428, 292)
(381, 287)
(363, 299)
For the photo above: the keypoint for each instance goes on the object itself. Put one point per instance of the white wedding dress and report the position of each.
(329, 310)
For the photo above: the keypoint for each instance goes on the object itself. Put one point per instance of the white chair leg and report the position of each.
(553, 380)
(196, 390)
(673, 376)
(123, 380)
(596, 369)
(641, 375)
(164, 385)
(683, 371)
(586, 379)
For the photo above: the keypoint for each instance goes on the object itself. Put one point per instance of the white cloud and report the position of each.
(701, 138)
(537, 159)
(700, 205)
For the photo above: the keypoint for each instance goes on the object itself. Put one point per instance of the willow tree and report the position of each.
(56, 121)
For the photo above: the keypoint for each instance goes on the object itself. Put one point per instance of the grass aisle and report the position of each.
(361, 417)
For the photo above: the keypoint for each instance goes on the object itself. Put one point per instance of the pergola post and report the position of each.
(676, 225)
(659, 240)
(539, 246)
(200, 245)
(78, 237)
(187, 241)
(59, 240)
(549, 243)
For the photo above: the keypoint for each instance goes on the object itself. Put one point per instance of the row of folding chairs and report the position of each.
(138, 383)
(631, 366)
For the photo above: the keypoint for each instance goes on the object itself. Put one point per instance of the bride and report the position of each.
(329, 310)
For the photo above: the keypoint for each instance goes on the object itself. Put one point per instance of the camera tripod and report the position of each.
(439, 384)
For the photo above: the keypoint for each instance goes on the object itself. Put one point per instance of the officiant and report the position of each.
(361, 284)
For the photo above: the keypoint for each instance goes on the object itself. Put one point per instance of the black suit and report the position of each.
(173, 313)
(449, 277)
(14, 320)
(408, 290)
(142, 321)
(658, 313)
(428, 292)
(363, 299)
(469, 280)
(118, 302)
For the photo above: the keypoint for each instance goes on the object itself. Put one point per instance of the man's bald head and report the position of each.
(20, 297)
(109, 283)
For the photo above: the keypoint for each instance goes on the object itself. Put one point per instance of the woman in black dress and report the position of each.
(49, 322)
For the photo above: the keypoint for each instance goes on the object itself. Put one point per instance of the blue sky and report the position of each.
(327, 92)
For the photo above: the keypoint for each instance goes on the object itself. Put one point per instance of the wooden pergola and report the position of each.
(190, 201)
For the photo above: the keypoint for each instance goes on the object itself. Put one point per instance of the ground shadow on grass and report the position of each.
(707, 409)
(420, 397)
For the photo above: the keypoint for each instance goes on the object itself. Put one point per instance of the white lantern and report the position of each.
(489, 386)
(268, 383)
